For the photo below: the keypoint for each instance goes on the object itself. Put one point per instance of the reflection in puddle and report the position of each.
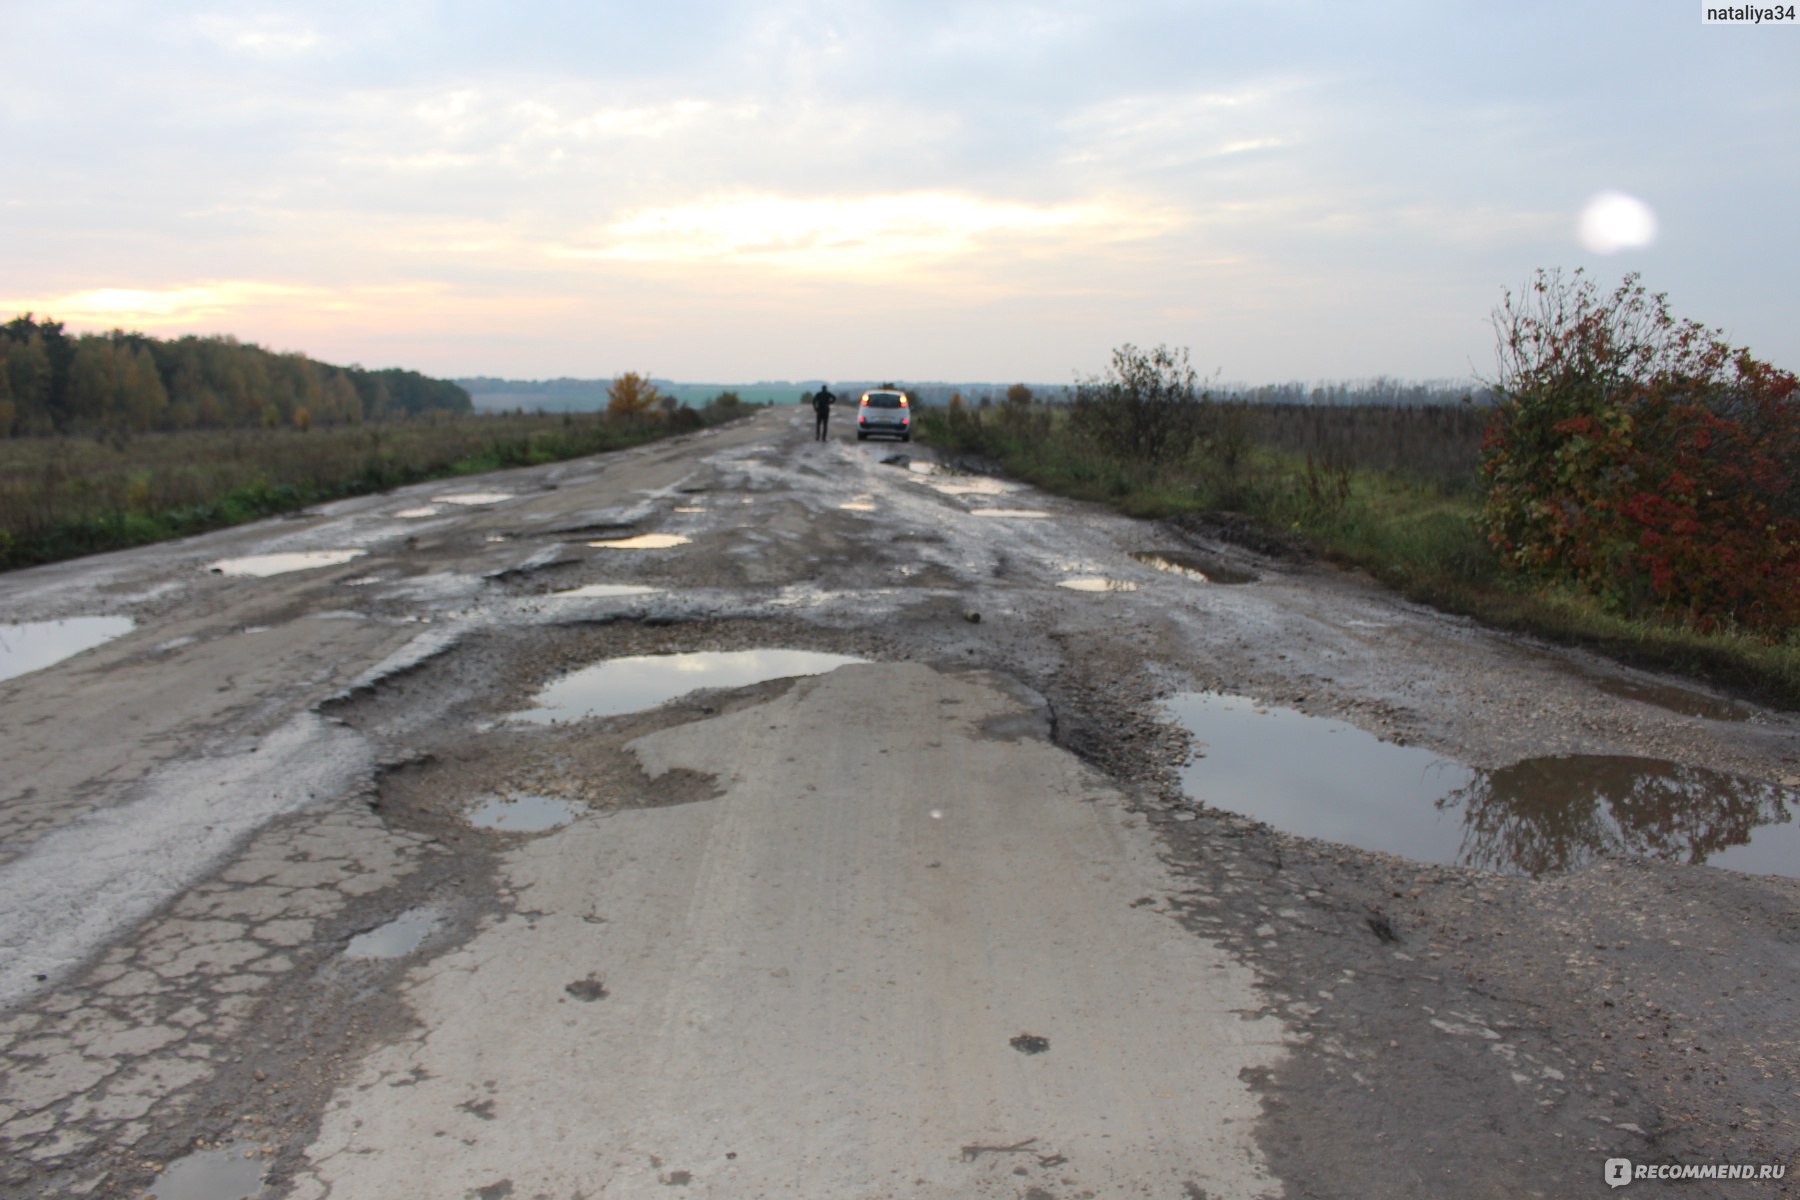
(523, 812)
(1095, 583)
(221, 1174)
(1327, 779)
(595, 590)
(1189, 565)
(413, 514)
(33, 645)
(623, 685)
(472, 498)
(643, 541)
(261, 566)
(858, 506)
(1008, 512)
(690, 508)
(399, 937)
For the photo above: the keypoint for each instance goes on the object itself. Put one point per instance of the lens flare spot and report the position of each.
(1613, 221)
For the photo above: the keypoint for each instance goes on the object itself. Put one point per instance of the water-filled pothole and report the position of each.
(33, 645)
(643, 541)
(472, 498)
(1097, 583)
(398, 938)
(600, 590)
(1008, 512)
(260, 566)
(523, 812)
(414, 514)
(1327, 779)
(220, 1174)
(1199, 567)
(972, 486)
(623, 685)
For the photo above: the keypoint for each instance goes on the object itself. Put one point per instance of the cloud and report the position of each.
(892, 234)
(267, 36)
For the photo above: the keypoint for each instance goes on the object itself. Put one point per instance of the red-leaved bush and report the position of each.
(1643, 458)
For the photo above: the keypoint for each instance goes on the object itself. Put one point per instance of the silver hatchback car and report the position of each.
(885, 412)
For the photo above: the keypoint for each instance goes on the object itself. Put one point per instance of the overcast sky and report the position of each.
(716, 191)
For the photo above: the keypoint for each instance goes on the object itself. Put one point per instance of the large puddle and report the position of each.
(33, 645)
(622, 685)
(221, 1174)
(263, 565)
(398, 938)
(1327, 779)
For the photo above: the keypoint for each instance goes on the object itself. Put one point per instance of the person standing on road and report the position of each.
(822, 402)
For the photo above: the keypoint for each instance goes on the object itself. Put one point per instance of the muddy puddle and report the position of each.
(524, 812)
(595, 591)
(220, 1174)
(33, 645)
(643, 541)
(1327, 779)
(261, 566)
(1200, 568)
(623, 685)
(396, 939)
(1675, 698)
(1097, 583)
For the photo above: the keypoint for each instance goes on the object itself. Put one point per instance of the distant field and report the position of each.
(67, 496)
(692, 394)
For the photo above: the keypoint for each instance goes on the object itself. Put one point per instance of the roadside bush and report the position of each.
(1145, 410)
(1643, 459)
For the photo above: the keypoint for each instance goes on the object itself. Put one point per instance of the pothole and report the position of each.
(396, 939)
(219, 1174)
(1200, 568)
(524, 812)
(972, 486)
(1097, 583)
(1326, 779)
(1008, 512)
(643, 541)
(472, 498)
(603, 590)
(414, 514)
(624, 685)
(261, 566)
(34, 645)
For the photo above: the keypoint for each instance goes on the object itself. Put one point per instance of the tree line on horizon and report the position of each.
(117, 384)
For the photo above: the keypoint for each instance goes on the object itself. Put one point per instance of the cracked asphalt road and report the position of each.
(791, 935)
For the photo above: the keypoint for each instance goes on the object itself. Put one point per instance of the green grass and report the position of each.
(65, 497)
(1415, 532)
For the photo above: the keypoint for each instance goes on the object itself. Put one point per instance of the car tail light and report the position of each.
(903, 403)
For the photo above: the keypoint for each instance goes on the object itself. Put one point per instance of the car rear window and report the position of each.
(882, 400)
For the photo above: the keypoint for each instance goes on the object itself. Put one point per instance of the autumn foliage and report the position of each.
(1643, 459)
